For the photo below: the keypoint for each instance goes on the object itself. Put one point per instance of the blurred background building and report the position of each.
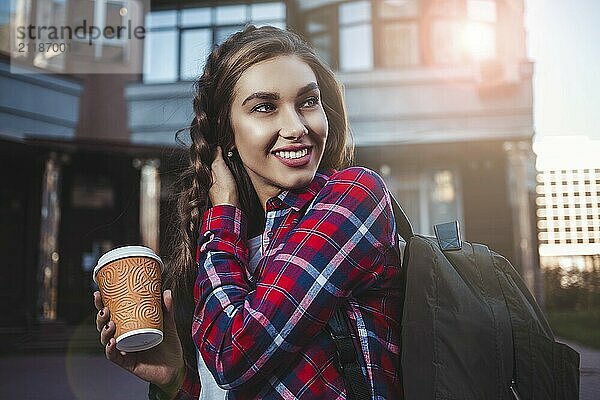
(568, 199)
(439, 96)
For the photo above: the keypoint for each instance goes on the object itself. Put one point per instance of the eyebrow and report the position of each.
(275, 96)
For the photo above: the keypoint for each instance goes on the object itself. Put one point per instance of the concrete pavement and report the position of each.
(589, 368)
(67, 377)
(75, 376)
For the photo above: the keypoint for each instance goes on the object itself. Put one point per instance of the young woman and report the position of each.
(274, 236)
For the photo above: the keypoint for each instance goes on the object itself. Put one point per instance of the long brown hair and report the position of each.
(212, 127)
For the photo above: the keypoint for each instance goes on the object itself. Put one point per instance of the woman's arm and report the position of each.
(163, 366)
(335, 249)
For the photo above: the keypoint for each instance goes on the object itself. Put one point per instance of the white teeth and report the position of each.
(292, 154)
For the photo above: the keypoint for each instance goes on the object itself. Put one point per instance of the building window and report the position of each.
(399, 34)
(362, 35)
(6, 13)
(573, 220)
(179, 41)
(102, 48)
(27, 13)
(428, 197)
(356, 37)
(445, 23)
(480, 32)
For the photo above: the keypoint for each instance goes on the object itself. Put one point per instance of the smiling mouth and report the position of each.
(291, 155)
(294, 159)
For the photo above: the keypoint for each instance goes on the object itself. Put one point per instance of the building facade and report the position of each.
(568, 215)
(439, 97)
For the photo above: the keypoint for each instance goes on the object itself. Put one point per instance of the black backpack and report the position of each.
(471, 330)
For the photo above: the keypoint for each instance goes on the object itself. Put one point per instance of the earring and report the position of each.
(230, 154)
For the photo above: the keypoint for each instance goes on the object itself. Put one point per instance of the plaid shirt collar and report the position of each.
(297, 199)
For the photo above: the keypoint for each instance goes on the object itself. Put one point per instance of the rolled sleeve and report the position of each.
(224, 229)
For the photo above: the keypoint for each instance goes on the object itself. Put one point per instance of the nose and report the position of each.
(293, 125)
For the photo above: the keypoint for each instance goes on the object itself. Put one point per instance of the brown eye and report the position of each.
(310, 102)
(263, 108)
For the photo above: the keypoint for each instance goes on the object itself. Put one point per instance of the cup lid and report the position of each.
(123, 252)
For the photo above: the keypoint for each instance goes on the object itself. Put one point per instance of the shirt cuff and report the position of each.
(226, 217)
(224, 229)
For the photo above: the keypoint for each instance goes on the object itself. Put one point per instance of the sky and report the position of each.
(564, 43)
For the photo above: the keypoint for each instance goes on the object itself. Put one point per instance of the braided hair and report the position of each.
(214, 92)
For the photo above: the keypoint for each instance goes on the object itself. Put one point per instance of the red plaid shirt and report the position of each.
(262, 334)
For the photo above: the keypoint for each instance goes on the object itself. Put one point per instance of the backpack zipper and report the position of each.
(513, 390)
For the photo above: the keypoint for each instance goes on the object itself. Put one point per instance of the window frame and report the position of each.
(424, 20)
(421, 182)
(378, 34)
(180, 28)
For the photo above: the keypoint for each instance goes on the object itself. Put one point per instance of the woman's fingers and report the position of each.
(107, 332)
(113, 354)
(102, 318)
(103, 315)
(169, 317)
(168, 300)
(218, 153)
(98, 300)
(224, 188)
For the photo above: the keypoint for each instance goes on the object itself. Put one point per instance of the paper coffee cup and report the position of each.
(129, 279)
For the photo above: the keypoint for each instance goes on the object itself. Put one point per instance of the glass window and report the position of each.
(267, 11)
(427, 198)
(196, 17)
(400, 44)
(160, 56)
(399, 9)
(446, 42)
(442, 200)
(460, 31)
(223, 33)
(6, 7)
(355, 36)
(231, 14)
(323, 43)
(358, 11)
(5, 14)
(480, 31)
(407, 190)
(356, 48)
(446, 8)
(321, 28)
(48, 13)
(178, 41)
(161, 19)
(480, 40)
(195, 46)
(113, 14)
(482, 10)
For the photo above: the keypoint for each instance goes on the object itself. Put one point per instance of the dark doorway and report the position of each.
(20, 171)
(100, 211)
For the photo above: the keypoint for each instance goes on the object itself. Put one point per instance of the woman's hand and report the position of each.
(223, 189)
(162, 365)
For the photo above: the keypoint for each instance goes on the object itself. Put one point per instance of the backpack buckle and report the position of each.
(448, 236)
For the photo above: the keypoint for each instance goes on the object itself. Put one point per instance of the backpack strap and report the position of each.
(356, 383)
(403, 225)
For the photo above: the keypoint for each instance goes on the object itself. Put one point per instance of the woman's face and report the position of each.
(279, 125)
